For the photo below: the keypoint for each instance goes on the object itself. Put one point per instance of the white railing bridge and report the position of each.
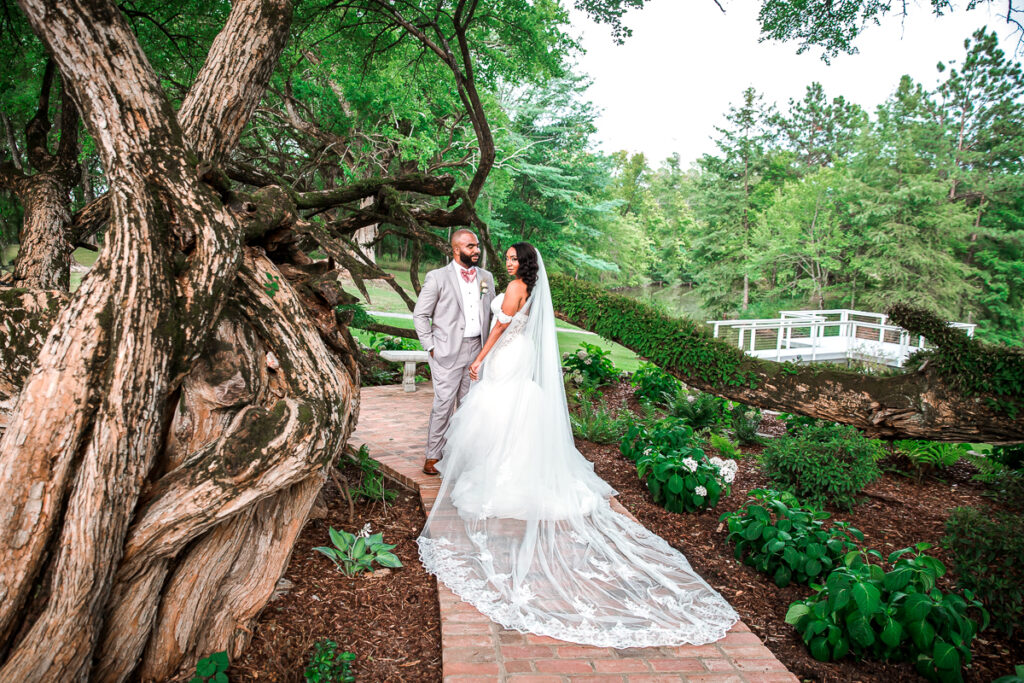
(825, 335)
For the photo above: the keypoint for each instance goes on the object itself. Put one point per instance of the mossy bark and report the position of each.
(131, 473)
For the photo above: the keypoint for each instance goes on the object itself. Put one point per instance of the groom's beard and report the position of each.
(466, 260)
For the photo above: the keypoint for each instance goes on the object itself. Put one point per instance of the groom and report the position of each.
(452, 318)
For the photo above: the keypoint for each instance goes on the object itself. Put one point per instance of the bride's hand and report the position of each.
(474, 370)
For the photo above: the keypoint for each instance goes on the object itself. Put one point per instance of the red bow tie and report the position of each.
(468, 275)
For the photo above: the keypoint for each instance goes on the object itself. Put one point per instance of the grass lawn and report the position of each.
(384, 299)
(83, 257)
(623, 358)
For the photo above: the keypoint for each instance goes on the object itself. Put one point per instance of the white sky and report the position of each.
(666, 88)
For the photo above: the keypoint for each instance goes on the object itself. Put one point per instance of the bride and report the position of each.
(522, 527)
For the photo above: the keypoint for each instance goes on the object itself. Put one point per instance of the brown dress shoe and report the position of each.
(428, 466)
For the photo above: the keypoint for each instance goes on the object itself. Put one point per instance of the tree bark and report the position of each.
(44, 255)
(87, 429)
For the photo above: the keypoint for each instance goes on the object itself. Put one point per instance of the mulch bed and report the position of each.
(389, 619)
(899, 512)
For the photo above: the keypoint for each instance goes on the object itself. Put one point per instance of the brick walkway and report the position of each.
(473, 648)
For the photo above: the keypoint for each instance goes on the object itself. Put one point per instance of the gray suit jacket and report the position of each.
(439, 317)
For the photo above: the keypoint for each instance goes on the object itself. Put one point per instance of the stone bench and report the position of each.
(410, 358)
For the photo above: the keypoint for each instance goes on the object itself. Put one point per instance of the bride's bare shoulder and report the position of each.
(516, 288)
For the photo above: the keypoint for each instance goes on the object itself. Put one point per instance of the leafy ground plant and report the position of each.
(212, 669)
(929, 457)
(653, 384)
(988, 557)
(700, 410)
(745, 421)
(789, 542)
(327, 665)
(371, 482)
(725, 447)
(356, 553)
(823, 463)
(866, 611)
(677, 472)
(597, 423)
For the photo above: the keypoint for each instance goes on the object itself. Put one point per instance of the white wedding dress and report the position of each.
(522, 527)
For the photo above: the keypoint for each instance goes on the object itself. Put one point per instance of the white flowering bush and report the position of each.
(590, 366)
(679, 475)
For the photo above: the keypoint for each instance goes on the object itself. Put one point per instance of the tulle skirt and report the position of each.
(522, 529)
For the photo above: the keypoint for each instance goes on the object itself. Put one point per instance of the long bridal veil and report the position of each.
(522, 527)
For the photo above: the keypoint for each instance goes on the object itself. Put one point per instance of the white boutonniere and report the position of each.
(483, 287)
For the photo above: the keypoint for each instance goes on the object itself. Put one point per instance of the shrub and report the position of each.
(654, 384)
(386, 342)
(900, 614)
(823, 464)
(795, 423)
(667, 435)
(212, 669)
(745, 420)
(327, 665)
(1010, 456)
(597, 423)
(698, 410)
(355, 553)
(988, 557)
(1007, 487)
(679, 475)
(788, 542)
(590, 366)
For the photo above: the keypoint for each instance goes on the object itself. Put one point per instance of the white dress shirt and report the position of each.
(470, 300)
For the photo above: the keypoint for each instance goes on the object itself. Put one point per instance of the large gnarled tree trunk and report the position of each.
(133, 551)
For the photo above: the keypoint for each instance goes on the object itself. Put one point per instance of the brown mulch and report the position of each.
(899, 512)
(389, 619)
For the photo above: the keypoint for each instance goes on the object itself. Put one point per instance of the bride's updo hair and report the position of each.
(526, 253)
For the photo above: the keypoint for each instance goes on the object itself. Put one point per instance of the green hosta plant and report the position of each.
(654, 384)
(1016, 677)
(212, 669)
(327, 665)
(868, 612)
(355, 553)
(777, 536)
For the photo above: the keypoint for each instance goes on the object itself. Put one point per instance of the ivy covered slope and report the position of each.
(964, 390)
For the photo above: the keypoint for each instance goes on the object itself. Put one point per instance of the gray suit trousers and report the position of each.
(450, 387)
